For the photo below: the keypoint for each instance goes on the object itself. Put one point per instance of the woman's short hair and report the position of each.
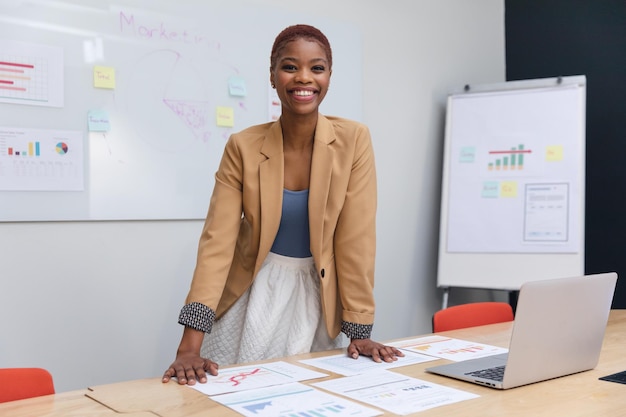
(295, 32)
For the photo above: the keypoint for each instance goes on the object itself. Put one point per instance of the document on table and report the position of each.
(448, 348)
(294, 399)
(394, 392)
(344, 365)
(241, 378)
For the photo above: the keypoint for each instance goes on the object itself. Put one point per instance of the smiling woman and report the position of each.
(292, 284)
(301, 77)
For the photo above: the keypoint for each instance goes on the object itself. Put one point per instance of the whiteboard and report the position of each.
(129, 103)
(512, 206)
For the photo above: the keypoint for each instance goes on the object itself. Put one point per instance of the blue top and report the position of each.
(292, 238)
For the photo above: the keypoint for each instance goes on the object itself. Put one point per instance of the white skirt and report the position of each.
(279, 315)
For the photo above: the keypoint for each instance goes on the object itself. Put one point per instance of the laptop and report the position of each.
(558, 330)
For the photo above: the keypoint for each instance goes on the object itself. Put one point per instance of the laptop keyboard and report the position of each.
(495, 374)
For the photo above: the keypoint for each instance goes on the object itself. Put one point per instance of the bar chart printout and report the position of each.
(41, 160)
(31, 74)
(292, 400)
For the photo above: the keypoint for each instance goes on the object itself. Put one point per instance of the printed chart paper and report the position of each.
(344, 365)
(41, 160)
(394, 392)
(249, 377)
(292, 400)
(31, 74)
(449, 348)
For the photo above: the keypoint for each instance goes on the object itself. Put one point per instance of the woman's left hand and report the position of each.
(377, 351)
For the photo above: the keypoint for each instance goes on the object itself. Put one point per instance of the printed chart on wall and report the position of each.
(40, 160)
(514, 169)
(111, 110)
(31, 74)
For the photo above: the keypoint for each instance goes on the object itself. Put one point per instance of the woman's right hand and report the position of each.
(189, 368)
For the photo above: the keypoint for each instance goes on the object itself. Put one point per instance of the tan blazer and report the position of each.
(246, 206)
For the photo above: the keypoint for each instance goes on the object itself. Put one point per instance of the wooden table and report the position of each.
(66, 404)
(581, 394)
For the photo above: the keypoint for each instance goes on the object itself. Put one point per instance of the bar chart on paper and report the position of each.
(31, 74)
(40, 160)
(292, 400)
(22, 80)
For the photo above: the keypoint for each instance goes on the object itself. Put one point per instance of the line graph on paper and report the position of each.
(243, 378)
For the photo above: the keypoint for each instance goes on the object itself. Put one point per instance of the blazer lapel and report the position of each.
(271, 180)
(319, 188)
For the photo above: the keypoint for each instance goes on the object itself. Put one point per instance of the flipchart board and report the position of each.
(119, 110)
(512, 205)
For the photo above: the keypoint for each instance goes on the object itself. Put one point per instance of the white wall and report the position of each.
(97, 302)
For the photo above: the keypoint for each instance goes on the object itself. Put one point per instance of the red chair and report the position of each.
(471, 314)
(20, 383)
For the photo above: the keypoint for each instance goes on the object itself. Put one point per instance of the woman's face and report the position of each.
(301, 76)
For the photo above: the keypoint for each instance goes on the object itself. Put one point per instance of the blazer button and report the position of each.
(322, 273)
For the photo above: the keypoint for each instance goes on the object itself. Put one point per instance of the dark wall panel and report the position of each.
(548, 38)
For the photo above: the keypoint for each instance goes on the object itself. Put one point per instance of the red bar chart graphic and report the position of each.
(23, 78)
(505, 160)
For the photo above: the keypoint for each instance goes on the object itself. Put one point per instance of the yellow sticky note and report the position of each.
(554, 153)
(104, 77)
(225, 117)
(508, 189)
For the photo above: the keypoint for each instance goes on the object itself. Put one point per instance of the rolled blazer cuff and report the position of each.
(356, 331)
(197, 316)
